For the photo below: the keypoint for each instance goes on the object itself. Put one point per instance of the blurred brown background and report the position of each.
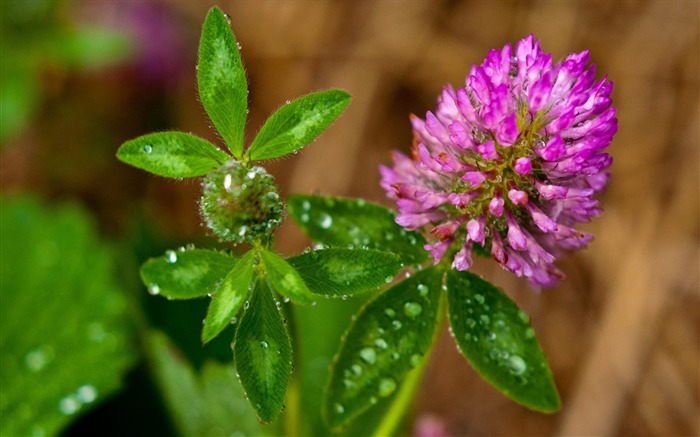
(622, 333)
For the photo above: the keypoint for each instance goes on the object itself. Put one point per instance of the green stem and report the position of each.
(394, 415)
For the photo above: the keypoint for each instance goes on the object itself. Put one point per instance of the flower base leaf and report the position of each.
(344, 272)
(389, 337)
(263, 353)
(223, 87)
(172, 154)
(297, 123)
(228, 297)
(186, 274)
(284, 279)
(496, 337)
(356, 222)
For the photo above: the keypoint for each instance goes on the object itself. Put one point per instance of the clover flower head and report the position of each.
(511, 162)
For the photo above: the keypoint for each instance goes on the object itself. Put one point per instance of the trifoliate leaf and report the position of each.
(172, 154)
(186, 273)
(389, 337)
(284, 279)
(297, 123)
(344, 272)
(263, 353)
(496, 337)
(229, 297)
(64, 328)
(223, 88)
(341, 222)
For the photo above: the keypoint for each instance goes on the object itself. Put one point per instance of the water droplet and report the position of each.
(373, 400)
(422, 289)
(251, 174)
(153, 289)
(412, 309)
(390, 312)
(492, 336)
(147, 149)
(87, 393)
(484, 319)
(516, 365)
(246, 305)
(344, 297)
(415, 360)
(529, 333)
(380, 331)
(325, 221)
(381, 343)
(368, 355)
(38, 358)
(69, 405)
(305, 205)
(304, 218)
(388, 279)
(228, 181)
(278, 304)
(396, 324)
(395, 356)
(234, 320)
(479, 298)
(171, 256)
(339, 408)
(524, 317)
(386, 386)
(470, 322)
(263, 344)
(356, 369)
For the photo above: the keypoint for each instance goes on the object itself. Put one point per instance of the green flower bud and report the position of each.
(240, 203)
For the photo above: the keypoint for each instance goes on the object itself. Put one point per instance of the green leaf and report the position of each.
(64, 329)
(344, 272)
(340, 222)
(172, 154)
(186, 274)
(200, 404)
(389, 337)
(297, 123)
(496, 337)
(228, 297)
(223, 88)
(284, 279)
(263, 353)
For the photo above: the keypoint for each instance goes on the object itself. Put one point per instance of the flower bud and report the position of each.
(240, 203)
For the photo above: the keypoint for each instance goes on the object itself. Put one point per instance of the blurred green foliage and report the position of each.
(36, 35)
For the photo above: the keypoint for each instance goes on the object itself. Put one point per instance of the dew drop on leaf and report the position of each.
(153, 289)
(87, 393)
(69, 405)
(325, 221)
(529, 333)
(422, 289)
(479, 298)
(147, 149)
(263, 344)
(381, 343)
(368, 355)
(412, 309)
(516, 365)
(171, 256)
(395, 356)
(390, 312)
(396, 324)
(386, 387)
(356, 369)
(339, 408)
(415, 359)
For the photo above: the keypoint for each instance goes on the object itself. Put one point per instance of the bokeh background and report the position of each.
(622, 333)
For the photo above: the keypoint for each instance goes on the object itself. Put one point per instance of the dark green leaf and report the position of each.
(284, 279)
(341, 222)
(297, 123)
(263, 353)
(223, 88)
(186, 274)
(496, 338)
(229, 297)
(64, 327)
(209, 403)
(389, 337)
(172, 154)
(344, 272)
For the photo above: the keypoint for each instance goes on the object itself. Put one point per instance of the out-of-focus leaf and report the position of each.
(186, 273)
(210, 403)
(496, 337)
(284, 279)
(172, 154)
(345, 272)
(18, 100)
(228, 297)
(297, 123)
(389, 337)
(64, 333)
(341, 222)
(223, 88)
(88, 47)
(263, 353)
